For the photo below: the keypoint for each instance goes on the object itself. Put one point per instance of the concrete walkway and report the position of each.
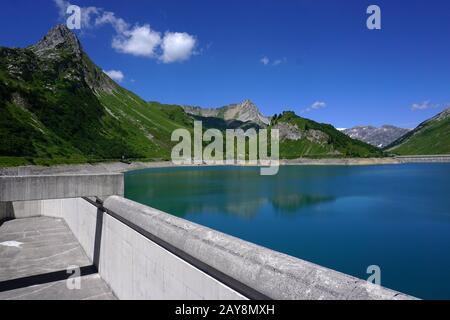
(35, 254)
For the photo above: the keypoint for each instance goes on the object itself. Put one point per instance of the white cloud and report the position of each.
(116, 75)
(423, 106)
(318, 105)
(120, 25)
(315, 106)
(87, 14)
(177, 46)
(137, 40)
(62, 7)
(140, 41)
(279, 61)
(265, 61)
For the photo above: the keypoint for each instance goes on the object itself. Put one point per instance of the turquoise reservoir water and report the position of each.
(344, 218)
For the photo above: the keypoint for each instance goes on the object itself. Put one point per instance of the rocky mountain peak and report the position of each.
(246, 111)
(61, 52)
(248, 104)
(60, 37)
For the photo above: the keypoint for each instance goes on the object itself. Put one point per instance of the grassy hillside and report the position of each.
(429, 138)
(318, 140)
(61, 108)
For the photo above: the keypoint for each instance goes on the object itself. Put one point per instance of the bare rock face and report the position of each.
(317, 136)
(289, 131)
(378, 137)
(246, 111)
(19, 100)
(202, 112)
(58, 38)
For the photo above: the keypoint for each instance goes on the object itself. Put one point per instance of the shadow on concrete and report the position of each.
(6, 212)
(2, 221)
(43, 278)
(98, 237)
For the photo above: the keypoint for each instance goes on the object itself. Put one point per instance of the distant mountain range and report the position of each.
(378, 137)
(57, 106)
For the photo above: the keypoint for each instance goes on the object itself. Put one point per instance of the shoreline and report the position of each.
(120, 167)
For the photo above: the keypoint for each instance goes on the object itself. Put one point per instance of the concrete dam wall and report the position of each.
(144, 253)
(445, 158)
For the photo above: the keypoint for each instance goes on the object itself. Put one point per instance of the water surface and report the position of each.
(342, 217)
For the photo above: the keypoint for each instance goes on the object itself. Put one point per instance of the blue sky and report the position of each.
(316, 58)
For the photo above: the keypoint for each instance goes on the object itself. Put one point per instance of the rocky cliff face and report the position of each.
(58, 38)
(378, 137)
(246, 111)
(289, 131)
(60, 46)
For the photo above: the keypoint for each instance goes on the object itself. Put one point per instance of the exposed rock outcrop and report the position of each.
(290, 131)
(58, 38)
(246, 111)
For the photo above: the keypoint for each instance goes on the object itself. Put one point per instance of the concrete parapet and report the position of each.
(26, 188)
(134, 266)
(271, 273)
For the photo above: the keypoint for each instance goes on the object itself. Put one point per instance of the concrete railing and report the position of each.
(134, 266)
(26, 188)
(24, 196)
(270, 273)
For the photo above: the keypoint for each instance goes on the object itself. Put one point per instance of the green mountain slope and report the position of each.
(302, 137)
(57, 106)
(429, 138)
